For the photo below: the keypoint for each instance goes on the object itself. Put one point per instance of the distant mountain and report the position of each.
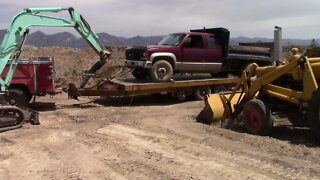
(109, 39)
(38, 38)
(60, 39)
(141, 41)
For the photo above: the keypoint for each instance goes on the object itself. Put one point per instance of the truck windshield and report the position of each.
(172, 39)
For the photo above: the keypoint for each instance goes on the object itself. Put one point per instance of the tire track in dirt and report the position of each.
(292, 158)
(262, 161)
(139, 142)
(78, 160)
(223, 163)
(44, 158)
(119, 159)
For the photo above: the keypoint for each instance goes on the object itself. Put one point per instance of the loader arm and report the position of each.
(229, 106)
(13, 41)
(250, 89)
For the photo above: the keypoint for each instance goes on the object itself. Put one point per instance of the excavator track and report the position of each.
(13, 117)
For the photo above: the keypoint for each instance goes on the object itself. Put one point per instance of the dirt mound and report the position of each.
(71, 63)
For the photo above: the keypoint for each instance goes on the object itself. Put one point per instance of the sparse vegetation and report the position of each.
(71, 63)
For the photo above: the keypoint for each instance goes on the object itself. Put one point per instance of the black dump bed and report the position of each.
(236, 52)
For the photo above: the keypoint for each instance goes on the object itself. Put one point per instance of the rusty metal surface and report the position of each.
(123, 88)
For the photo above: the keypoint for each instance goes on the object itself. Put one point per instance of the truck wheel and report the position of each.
(161, 71)
(200, 92)
(17, 97)
(140, 73)
(257, 117)
(29, 97)
(313, 113)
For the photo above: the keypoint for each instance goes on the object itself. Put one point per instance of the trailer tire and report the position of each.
(17, 97)
(257, 117)
(200, 92)
(140, 73)
(219, 88)
(161, 71)
(181, 95)
(313, 113)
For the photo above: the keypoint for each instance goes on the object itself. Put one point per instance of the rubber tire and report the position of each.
(200, 92)
(155, 68)
(29, 97)
(257, 117)
(219, 88)
(180, 96)
(17, 97)
(313, 113)
(140, 73)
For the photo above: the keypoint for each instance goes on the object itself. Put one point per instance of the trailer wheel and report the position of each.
(257, 117)
(180, 96)
(200, 92)
(161, 71)
(17, 97)
(219, 88)
(140, 73)
(313, 113)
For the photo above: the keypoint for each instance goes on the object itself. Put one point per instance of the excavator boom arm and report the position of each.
(33, 17)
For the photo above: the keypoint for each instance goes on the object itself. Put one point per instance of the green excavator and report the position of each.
(12, 117)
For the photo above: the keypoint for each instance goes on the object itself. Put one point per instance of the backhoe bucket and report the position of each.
(217, 108)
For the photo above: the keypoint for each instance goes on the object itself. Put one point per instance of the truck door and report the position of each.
(193, 49)
(214, 51)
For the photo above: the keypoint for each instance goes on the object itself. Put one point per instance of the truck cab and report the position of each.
(191, 52)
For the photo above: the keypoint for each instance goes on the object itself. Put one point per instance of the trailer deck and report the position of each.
(129, 87)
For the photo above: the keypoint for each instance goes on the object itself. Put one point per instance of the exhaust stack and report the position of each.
(277, 43)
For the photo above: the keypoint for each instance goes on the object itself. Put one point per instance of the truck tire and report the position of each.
(200, 92)
(257, 117)
(17, 97)
(161, 71)
(140, 73)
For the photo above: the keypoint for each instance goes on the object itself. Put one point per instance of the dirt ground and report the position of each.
(148, 137)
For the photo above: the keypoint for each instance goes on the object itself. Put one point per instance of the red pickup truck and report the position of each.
(197, 51)
(32, 77)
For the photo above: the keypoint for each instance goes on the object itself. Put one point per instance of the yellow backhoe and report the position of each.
(290, 89)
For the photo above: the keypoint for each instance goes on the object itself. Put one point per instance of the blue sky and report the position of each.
(251, 18)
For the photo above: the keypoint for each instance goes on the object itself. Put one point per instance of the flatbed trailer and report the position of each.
(179, 89)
